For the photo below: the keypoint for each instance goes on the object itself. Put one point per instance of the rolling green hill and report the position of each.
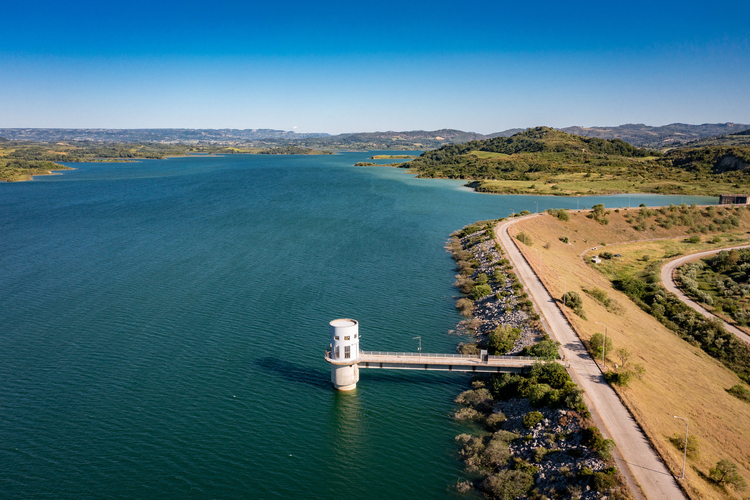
(548, 161)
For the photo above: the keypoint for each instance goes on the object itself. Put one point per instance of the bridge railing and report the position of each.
(416, 354)
(520, 358)
(442, 355)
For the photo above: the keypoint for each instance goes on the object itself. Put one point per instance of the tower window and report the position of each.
(338, 355)
(347, 352)
(347, 338)
(336, 337)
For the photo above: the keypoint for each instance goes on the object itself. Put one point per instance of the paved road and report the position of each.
(667, 278)
(641, 460)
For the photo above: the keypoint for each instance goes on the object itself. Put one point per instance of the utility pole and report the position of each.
(604, 345)
(684, 454)
(420, 346)
(565, 291)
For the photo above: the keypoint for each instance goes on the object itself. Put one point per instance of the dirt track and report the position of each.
(667, 279)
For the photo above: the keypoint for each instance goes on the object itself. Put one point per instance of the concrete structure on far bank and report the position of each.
(733, 199)
(346, 358)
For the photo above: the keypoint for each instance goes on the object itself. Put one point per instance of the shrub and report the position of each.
(602, 481)
(564, 239)
(539, 453)
(481, 279)
(620, 377)
(550, 373)
(678, 440)
(496, 453)
(480, 291)
(592, 437)
(468, 230)
(538, 395)
(495, 420)
(468, 414)
(524, 212)
(465, 307)
(523, 237)
(468, 348)
(726, 472)
(546, 349)
(740, 391)
(508, 484)
(464, 283)
(572, 300)
(574, 399)
(465, 267)
(502, 339)
(693, 239)
(477, 398)
(531, 419)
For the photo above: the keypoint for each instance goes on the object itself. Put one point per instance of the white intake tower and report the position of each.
(344, 353)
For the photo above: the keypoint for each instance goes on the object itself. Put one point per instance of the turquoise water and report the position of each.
(164, 323)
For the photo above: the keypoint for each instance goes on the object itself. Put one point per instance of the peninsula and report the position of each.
(551, 162)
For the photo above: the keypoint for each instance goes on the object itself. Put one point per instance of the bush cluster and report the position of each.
(709, 335)
(599, 214)
(502, 339)
(548, 384)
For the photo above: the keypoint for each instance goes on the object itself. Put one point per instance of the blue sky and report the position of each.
(334, 66)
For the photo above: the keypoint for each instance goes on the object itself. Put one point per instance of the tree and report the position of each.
(572, 300)
(726, 472)
(503, 339)
(546, 349)
(624, 355)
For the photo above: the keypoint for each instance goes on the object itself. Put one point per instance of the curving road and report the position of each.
(642, 461)
(667, 279)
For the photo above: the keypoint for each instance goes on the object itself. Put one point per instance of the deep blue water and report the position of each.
(163, 324)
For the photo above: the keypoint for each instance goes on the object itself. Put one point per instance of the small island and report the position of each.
(392, 157)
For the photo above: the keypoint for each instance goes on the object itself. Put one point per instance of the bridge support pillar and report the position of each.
(345, 377)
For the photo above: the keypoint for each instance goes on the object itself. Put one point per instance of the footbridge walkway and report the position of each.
(479, 363)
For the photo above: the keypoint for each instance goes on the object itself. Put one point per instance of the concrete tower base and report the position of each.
(345, 377)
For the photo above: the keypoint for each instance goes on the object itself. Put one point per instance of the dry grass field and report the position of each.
(680, 379)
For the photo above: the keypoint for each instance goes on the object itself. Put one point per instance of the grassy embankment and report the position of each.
(557, 448)
(680, 379)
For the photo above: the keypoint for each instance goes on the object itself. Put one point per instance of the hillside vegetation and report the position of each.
(19, 160)
(547, 161)
(689, 367)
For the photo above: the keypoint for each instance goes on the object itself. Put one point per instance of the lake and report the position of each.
(164, 324)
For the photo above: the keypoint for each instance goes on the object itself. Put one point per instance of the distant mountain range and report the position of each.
(163, 135)
(667, 136)
(658, 137)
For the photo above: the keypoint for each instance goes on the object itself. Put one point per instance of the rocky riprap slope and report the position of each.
(507, 304)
